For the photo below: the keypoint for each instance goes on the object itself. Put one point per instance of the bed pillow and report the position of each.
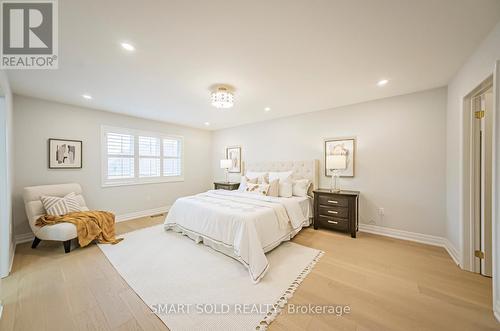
(243, 183)
(286, 188)
(57, 206)
(300, 187)
(260, 189)
(285, 182)
(274, 188)
(262, 176)
(280, 175)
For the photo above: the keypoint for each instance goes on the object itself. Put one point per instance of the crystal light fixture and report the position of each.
(222, 98)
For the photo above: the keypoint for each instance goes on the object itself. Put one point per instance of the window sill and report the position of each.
(143, 181)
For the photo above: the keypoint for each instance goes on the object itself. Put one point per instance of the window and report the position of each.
(137, 157)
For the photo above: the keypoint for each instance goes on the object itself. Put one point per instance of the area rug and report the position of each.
(193, 287)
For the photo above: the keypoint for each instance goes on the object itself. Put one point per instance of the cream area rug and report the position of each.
(193, 287)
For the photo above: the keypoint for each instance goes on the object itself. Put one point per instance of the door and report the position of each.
(482, 112)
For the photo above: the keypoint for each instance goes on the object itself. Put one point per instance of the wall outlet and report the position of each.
(381, 211)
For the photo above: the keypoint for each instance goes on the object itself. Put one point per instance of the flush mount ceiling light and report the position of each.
(267, 109)
(128, 47)
(207, 123)
(222, 97)
(87, 96)
(382, 82)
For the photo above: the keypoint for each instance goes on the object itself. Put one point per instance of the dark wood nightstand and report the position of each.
(226, 186)
(336, 210)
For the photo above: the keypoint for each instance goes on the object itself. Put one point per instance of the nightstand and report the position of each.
(226, 186)
(336, 210)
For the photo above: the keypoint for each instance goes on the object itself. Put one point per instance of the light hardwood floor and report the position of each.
(389, 284)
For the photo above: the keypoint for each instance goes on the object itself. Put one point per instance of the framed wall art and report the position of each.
(341, 146)
(65, 154)
(234, 154)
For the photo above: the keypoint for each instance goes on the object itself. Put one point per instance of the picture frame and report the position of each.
(346, 145)
(233, 153)
(65, 154)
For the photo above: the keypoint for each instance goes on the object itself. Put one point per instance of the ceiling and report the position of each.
(292, 56)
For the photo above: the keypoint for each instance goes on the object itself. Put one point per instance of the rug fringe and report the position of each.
(283, 300)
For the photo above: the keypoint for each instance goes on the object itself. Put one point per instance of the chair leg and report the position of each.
(67, 246)
(35, 243)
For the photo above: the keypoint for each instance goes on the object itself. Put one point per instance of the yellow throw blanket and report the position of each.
(90, 225)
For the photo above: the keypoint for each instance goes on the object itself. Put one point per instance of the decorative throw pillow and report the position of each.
(274, 188)
(300, 187)
(243, 182)
(285, 182)
(57, 206)
(262, 177)
(257, 188)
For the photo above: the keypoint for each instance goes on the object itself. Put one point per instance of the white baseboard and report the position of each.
(142, 213)
(496, 310)
(23, 238)
(27, 237)
(452, 251)
(413, 236)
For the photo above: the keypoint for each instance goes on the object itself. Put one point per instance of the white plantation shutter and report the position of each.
(120, 155)
(136, 157)
(149, 156)
(172, 157)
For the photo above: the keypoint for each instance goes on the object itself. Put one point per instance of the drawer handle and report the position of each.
(333, 222)
(332, 201)
(333, 212)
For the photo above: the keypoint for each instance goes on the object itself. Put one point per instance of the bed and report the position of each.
(243, 225)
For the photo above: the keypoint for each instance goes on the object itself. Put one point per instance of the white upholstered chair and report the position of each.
(64, 232)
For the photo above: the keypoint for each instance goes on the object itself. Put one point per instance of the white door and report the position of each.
(482, 129)
(486, 181)
(496, 192)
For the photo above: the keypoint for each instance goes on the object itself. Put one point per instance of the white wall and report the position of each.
(6, 176)
(477, 68)
(400, 158)
(38, 120)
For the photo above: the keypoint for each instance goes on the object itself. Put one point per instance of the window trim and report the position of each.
(136, 180)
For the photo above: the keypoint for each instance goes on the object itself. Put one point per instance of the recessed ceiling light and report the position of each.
(382, 82)
(267, 109)
(128, 47)
(207, 123)
(87, 96)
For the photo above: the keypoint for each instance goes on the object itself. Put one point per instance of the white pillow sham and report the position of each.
(300, 187)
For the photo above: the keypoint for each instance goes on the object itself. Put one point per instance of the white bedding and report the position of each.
(242, 225)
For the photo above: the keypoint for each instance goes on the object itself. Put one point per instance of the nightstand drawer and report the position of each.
(334, 223)
(333, 201)
(342, 212)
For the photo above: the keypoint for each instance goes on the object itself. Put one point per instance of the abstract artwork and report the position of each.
(65, 154)
(342, 146)
(234, 154)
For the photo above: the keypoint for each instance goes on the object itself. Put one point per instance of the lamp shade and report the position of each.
(338, 162)
(225, 164)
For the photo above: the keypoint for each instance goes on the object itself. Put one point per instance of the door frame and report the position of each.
(468, 198)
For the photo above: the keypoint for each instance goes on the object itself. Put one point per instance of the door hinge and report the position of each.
(479, 254)
(479, 114)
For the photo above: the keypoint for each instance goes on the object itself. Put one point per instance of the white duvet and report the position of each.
(242, 225)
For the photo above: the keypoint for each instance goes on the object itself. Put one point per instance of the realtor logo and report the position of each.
(29, 34)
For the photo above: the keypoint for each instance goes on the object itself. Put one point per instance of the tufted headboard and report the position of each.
(301, 169)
